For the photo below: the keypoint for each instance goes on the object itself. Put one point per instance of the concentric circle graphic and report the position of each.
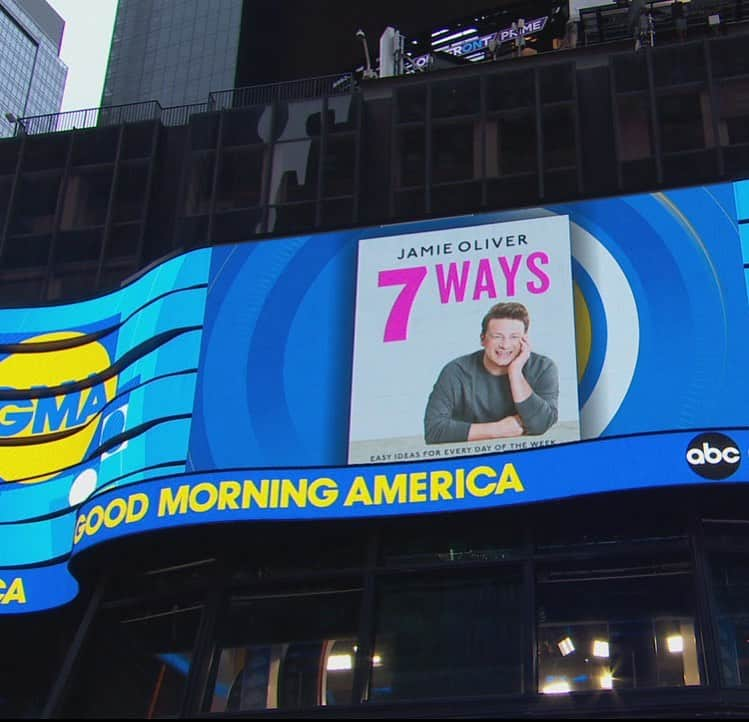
(617, 343)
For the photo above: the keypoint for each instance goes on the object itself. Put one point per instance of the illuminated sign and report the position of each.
(421, 304)
(531, 26)
(466, 47)
(473, 45)
(714, 456)
(484, 481)
(239, 382)
(93, 396)
(56, 386)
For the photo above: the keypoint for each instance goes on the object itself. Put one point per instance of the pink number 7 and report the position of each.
(396, 327)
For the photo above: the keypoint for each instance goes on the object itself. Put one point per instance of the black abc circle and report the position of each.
(705, 456)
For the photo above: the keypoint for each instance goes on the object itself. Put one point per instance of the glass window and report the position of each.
(510, 91)
(456, 98)
(135, 662)
(634, 127)
(240, 178)
(294, 171)
(733, 123)
(684, 118)
(343, 113)
(130, 197)
(86, 198)
(456, 152)
(447, 636)
(245, 126)
(511, 145)
(200, 178)
(616, 626)
(410, 157)
(286, 652)
(560, 147)
(339, 166)
(557, 82)
(679, 64)
(34, 210)
(299, 119)
(731, 584)
(630, 72)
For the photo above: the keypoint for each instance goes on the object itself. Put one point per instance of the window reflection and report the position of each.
(135, 663)
(731, 583)
(448, 636)
(616, 629)
(286, 652)
(618, 655)
(285, 676)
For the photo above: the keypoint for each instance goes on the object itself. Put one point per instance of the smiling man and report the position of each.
(501, 391)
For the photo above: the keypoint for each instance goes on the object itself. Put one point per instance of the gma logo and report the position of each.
(63, 381)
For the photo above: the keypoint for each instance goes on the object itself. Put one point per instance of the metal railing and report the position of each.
(289, 90)
(180, 114)
(88, 118)
(609, 22)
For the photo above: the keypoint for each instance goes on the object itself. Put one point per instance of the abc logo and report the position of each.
(713, 456)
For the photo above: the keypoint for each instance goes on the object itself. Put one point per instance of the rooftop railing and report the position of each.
(180, 114)
(88, 118)
(289, 90)
(599, 25)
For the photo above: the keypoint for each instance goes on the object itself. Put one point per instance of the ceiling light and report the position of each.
(600, 648)
(675, 643)
(338, 662)
(566, 646)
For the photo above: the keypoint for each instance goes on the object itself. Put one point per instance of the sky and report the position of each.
(85, 48)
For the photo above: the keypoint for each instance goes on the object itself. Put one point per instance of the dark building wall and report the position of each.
(82, 210)
(598, 129)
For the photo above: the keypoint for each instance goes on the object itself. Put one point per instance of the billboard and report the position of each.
(285, 380)
(425, 381)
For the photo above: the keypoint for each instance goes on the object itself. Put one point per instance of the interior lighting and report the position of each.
(675, 643)
(376, 660)
(558, 685)
(338, 662)
(600, 648)
(607, 680)
(566, 646)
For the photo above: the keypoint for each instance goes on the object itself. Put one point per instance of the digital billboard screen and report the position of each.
(443, 365)
(430, 374)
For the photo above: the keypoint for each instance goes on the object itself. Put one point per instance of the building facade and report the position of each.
(32, 76)
(172, 52)
(218, 343)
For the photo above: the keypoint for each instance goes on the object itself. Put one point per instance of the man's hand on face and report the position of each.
(518, 363)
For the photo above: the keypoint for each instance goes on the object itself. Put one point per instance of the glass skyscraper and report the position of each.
(173, 51)
(32, 76)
